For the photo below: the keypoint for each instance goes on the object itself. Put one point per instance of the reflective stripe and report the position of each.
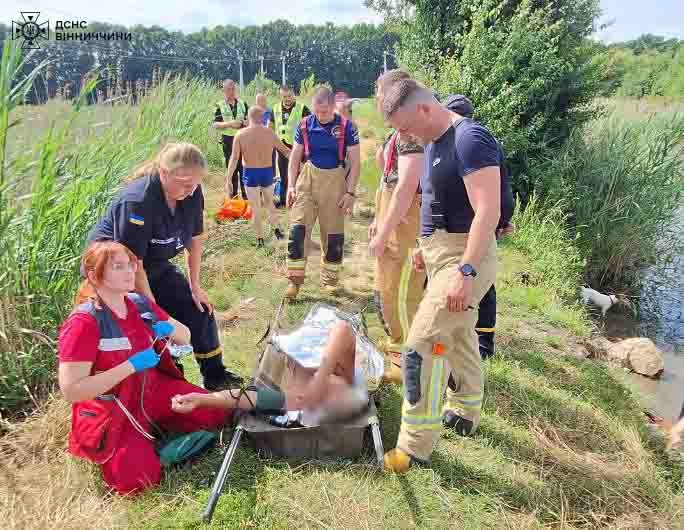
(296, 264)
(473, 408)
(402, 299)
(436, 385)
(115, 344)
(423, 424)
(163, 241)
(485, 330)
(331, 266)
(208, 355)
(468, 402)
(433, 419)
(469, 397)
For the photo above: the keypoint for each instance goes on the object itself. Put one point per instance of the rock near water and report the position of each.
(639, 355)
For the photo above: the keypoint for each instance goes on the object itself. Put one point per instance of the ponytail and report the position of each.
(86, 292)
(173, 156)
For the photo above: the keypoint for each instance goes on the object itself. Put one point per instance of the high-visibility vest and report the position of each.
(286, 132)
(227, 113)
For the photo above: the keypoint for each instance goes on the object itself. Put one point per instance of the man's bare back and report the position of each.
(255, 144)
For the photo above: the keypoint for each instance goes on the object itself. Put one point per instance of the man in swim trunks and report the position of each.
(254, 145)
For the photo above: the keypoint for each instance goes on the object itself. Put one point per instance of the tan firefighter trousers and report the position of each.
(398, 286)
(318, 193)
(441, 342)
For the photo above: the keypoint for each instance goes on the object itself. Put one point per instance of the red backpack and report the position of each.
(340, 139)
(391, 155)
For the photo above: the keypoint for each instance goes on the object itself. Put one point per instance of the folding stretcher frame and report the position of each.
(302, 442)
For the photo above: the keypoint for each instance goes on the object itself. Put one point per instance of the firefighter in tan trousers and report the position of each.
(392, 236)
(461, 206)
(321, 189)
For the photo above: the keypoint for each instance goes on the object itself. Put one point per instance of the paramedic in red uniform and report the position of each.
(106, 353)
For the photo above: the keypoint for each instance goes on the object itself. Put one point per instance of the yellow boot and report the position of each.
(393, 353)
(397, 461)
(392, 375)
(292, 291)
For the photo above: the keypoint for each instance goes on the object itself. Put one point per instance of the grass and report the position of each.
(561, 443)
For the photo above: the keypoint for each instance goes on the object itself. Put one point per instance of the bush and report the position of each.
(622, 184)
(528, 66)
(261, 85)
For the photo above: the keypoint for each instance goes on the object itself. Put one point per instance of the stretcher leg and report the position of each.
(377, 443)
(222, 474)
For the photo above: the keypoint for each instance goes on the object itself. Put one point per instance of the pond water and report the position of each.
(661, 320)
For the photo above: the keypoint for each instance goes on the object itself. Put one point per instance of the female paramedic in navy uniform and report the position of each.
(158, 215)
(120, 388)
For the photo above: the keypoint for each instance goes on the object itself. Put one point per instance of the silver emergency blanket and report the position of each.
(305, 343)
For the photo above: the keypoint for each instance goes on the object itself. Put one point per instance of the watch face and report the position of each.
(467, 270)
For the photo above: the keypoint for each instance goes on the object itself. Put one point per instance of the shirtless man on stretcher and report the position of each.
(330, 392)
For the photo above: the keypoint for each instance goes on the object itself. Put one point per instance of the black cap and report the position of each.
(460, 104)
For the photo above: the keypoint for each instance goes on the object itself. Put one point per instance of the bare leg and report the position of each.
(270, 206)
(337, 366)
(254, 196)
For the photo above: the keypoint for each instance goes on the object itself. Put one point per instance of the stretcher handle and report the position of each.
(222, 474)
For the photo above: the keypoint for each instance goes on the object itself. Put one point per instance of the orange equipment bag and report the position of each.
(234, 209)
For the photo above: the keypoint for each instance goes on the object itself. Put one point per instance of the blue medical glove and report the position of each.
(163, 329)
(144, 359)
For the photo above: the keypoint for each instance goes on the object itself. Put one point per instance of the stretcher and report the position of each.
(321, 441)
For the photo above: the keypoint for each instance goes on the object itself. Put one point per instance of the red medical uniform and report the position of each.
(100, 431)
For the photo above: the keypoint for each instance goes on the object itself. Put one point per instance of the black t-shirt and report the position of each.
(464, 148)
(141, 219)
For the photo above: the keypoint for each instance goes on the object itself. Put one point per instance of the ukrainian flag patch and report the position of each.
(136, 220)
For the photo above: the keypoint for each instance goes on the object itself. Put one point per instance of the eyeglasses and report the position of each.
(130, 266)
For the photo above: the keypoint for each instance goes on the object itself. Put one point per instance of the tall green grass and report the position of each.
(55, 188)
(542, 233)
(622, 182)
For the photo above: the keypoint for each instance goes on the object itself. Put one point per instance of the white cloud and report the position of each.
(192, 16)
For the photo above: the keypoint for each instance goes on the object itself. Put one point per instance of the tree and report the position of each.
(528, 66)
(347, 57)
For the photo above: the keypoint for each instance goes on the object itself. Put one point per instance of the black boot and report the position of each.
(216, 377)
(260, 242)
(453, 421)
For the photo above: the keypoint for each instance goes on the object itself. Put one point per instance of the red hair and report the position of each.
(95, 259)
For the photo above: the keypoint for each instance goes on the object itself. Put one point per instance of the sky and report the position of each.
(630, 18)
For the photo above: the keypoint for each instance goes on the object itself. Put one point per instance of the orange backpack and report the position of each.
(234, 209)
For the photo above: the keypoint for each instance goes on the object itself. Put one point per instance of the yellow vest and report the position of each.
(227, 113)
(286, 131)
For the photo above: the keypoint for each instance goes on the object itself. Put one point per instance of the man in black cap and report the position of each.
(486, 321)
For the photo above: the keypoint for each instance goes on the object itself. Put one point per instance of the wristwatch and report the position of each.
(467, 270)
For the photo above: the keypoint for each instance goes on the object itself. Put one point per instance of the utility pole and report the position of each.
(384, 61)
(283, 78)
(242, 79)
(263, 73)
